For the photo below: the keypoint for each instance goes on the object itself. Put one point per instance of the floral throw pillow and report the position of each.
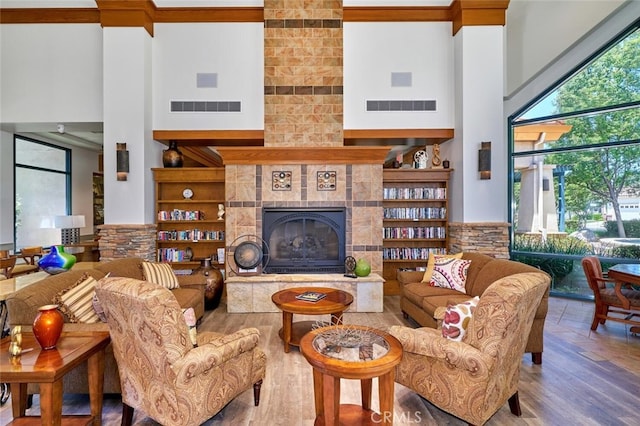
(456, 319)
(450, 273)
(426, 278)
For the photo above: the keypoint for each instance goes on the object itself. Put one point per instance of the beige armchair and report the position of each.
(161, 373)
(473, 378)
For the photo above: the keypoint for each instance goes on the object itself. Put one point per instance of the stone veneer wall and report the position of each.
(488, 238)
(120, 241)
(303, 73)
(358, 189)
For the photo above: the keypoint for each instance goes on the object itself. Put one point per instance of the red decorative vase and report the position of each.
(48, 325)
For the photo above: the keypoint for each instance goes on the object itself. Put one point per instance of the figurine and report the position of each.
(15, 347)
(220, 211)
(435, 161)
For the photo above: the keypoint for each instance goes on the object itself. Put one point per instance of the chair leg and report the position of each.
(514, 405)
(536, 357)
(256, 392)
(127, 415)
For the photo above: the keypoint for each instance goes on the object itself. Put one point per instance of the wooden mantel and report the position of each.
(304, 155)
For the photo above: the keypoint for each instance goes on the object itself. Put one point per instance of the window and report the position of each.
(575, 167)
(42, 190)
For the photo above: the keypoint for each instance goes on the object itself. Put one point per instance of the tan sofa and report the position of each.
(23, 307)
(419, 301)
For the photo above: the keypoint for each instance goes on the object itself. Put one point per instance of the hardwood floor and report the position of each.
(586, 378)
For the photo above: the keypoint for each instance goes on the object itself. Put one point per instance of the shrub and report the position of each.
(631, 228)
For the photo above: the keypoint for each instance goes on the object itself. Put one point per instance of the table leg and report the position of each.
(365, 391)
(51, 403)
(287, 323)
(385, 389)
(19, 399)
(317, 392)
(95, 367)
(331, 395)
(336, 318)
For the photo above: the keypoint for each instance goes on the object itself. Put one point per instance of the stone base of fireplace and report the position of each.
(253, 293)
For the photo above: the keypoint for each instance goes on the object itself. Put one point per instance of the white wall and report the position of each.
(234, 51)
(54, 74)
(372, 51)
(6, 188)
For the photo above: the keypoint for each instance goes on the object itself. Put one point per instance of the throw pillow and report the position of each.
(450, 273)
(426, 278)
(456, 319)
(190, 319)
(76, 301)
(160, 273)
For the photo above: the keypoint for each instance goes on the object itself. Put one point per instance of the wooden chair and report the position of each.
(6, 266)
(616, 302)
(31, 255)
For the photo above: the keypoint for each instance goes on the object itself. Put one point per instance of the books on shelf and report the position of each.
(311, 296)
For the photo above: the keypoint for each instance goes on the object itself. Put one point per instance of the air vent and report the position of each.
(393, 105)
(206, 106)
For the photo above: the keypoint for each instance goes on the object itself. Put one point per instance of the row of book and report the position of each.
(190, 235)
(177, 214)
(172, 254)
(415, 232)
(415, 213)
(410, 253)
(414, 193)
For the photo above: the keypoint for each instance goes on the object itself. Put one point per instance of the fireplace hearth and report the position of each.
(304, 240)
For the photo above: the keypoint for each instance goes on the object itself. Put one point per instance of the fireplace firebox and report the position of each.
(304, 240)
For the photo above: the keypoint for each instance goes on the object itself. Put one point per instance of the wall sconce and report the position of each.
(122, 161)
(484, 160)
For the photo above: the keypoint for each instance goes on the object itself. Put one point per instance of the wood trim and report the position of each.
(440, 134)
(49, 16)
(303, 155)
(209, 14)
(478, 12)
(211, 137)
(127, 13)
(396, 14)
(202, 155)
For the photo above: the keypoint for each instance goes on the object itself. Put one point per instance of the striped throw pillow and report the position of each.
(160, 273)
(76, 302)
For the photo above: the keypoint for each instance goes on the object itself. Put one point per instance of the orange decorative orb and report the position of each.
(47, 326)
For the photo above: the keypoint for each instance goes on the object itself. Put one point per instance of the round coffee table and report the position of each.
(335, 303)
(351, 352)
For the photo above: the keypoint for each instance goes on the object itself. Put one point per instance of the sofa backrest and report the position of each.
(485, 270)
(130, 267)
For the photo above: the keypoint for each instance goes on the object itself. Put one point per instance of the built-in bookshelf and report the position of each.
(190, 226)
(415, 218)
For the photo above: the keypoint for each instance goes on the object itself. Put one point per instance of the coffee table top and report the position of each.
(351, 351)
(36, 365)
(334, 301)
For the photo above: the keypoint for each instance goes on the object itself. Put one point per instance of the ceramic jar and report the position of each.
(215, 283)
(172, 156)
(47, 326)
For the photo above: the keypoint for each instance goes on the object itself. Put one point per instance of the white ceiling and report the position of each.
(84, 135)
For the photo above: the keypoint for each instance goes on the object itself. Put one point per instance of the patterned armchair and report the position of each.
(161, 373)
(473, 378)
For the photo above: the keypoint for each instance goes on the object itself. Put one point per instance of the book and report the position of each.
(311, 296)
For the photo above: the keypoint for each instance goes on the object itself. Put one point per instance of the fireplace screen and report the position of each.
(304, 240)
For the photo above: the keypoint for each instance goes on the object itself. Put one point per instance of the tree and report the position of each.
(612, 79)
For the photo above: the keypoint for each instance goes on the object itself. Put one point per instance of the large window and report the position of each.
(575, 168)
(42, 190)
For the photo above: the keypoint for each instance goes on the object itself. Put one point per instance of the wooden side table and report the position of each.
(364, 353)
(335, 303)
(47, 368)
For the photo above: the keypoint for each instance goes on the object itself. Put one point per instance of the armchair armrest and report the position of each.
(407, 277)
(215, 352)
(192, 280)
(429, 342)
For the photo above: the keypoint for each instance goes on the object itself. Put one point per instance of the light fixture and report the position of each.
(484, 160)
(60, 128)
(69, 228)
(122, 161)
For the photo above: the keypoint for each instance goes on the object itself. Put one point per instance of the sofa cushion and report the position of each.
(450, 273)
(76, 301)
(160, 273)
(431, 262)
(456, 319)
